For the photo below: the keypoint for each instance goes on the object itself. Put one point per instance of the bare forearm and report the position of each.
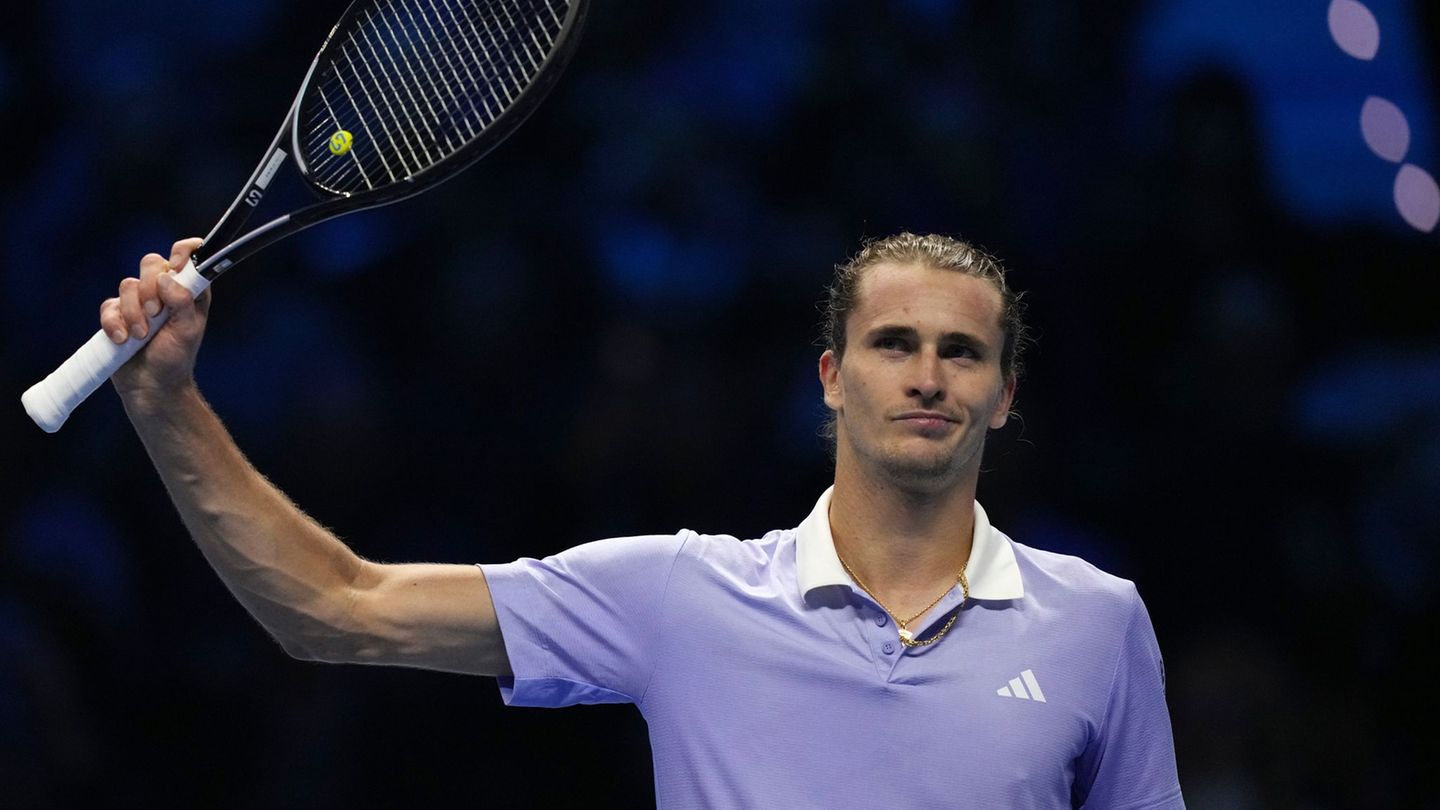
(316, 597)
(293, 575)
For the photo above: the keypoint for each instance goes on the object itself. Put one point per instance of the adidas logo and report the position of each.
(1017, 688)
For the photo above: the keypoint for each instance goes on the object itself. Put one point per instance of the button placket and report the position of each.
(888, 644)
(883, 641)
(938, 617)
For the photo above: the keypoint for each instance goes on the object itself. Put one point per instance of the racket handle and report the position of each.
(50, 401)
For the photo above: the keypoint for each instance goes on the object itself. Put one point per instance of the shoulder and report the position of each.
(684, 548)
(730, 553)
(1089, 608)
(723, 566)
(1073, 584)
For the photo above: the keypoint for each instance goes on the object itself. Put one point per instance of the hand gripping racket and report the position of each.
(403, 94)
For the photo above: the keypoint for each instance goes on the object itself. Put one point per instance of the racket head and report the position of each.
(405, 94)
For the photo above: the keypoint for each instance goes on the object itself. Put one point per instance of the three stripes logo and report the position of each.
(1024, 687)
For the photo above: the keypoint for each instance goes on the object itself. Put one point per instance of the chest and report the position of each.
(1002, 701)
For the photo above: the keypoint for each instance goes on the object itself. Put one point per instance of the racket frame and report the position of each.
(232, 248)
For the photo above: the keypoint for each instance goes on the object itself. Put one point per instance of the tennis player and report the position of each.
(894, 649)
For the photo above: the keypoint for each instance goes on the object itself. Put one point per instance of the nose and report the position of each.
(928, 380)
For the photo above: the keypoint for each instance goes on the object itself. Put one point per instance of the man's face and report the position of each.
(920, 382)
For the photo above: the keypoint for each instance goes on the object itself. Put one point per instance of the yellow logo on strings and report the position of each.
(340, 142)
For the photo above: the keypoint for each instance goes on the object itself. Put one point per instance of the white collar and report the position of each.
(991, 572)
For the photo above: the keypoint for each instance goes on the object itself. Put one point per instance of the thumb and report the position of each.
(202, 304)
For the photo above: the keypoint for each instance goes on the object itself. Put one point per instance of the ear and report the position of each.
(830, 380)
(1001, 414)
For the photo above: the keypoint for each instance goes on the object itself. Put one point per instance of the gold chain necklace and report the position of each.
(906, 637)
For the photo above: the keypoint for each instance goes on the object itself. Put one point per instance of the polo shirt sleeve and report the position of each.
(580, 626)
(1130, 765)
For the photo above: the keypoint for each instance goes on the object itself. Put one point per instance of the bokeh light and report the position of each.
(1386, 131)
(1354, 29)
(1417, 197)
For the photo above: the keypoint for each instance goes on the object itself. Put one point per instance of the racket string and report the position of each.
(449, 63)
(409, 92)
(365, 88)
(391, 122)
(492, 80)
(430, 77)
(398, 127)
(393, 103)
(416, 80)
(364, 176)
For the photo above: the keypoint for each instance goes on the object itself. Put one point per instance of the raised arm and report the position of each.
(319, 599)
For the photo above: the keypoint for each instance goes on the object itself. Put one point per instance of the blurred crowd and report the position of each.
(608, 328)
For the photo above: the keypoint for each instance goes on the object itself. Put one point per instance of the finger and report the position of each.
(110, 321)
(131, 314)
(150, 268)
(180, 251)
(176, 298)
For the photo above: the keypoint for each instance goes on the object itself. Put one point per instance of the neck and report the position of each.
(906, 545)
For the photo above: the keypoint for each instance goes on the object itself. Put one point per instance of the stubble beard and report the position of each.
(921, 473)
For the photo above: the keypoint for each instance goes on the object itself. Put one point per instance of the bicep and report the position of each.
(426, 615)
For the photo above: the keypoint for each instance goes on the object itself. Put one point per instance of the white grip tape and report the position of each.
(50, 401)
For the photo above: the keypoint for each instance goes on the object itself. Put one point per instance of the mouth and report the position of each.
(925, 419)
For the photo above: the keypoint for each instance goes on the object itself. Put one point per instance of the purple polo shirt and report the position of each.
(768, 679)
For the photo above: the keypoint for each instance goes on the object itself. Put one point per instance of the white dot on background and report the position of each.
(1386, 131)
(1417, 197)
(1354, 28)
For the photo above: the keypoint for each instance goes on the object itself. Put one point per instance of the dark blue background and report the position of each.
(607, 327)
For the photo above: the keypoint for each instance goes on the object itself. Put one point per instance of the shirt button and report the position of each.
(880, 619)
(888, 647)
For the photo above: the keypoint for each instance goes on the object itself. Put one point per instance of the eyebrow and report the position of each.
(909, 333)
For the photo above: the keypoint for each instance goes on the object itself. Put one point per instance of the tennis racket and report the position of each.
(402, 95)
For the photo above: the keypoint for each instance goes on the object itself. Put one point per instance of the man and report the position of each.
(894, 650)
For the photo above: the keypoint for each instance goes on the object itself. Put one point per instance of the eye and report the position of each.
(960, 350)
(891, 343)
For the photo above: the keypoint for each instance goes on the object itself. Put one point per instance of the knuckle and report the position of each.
(180, 252)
